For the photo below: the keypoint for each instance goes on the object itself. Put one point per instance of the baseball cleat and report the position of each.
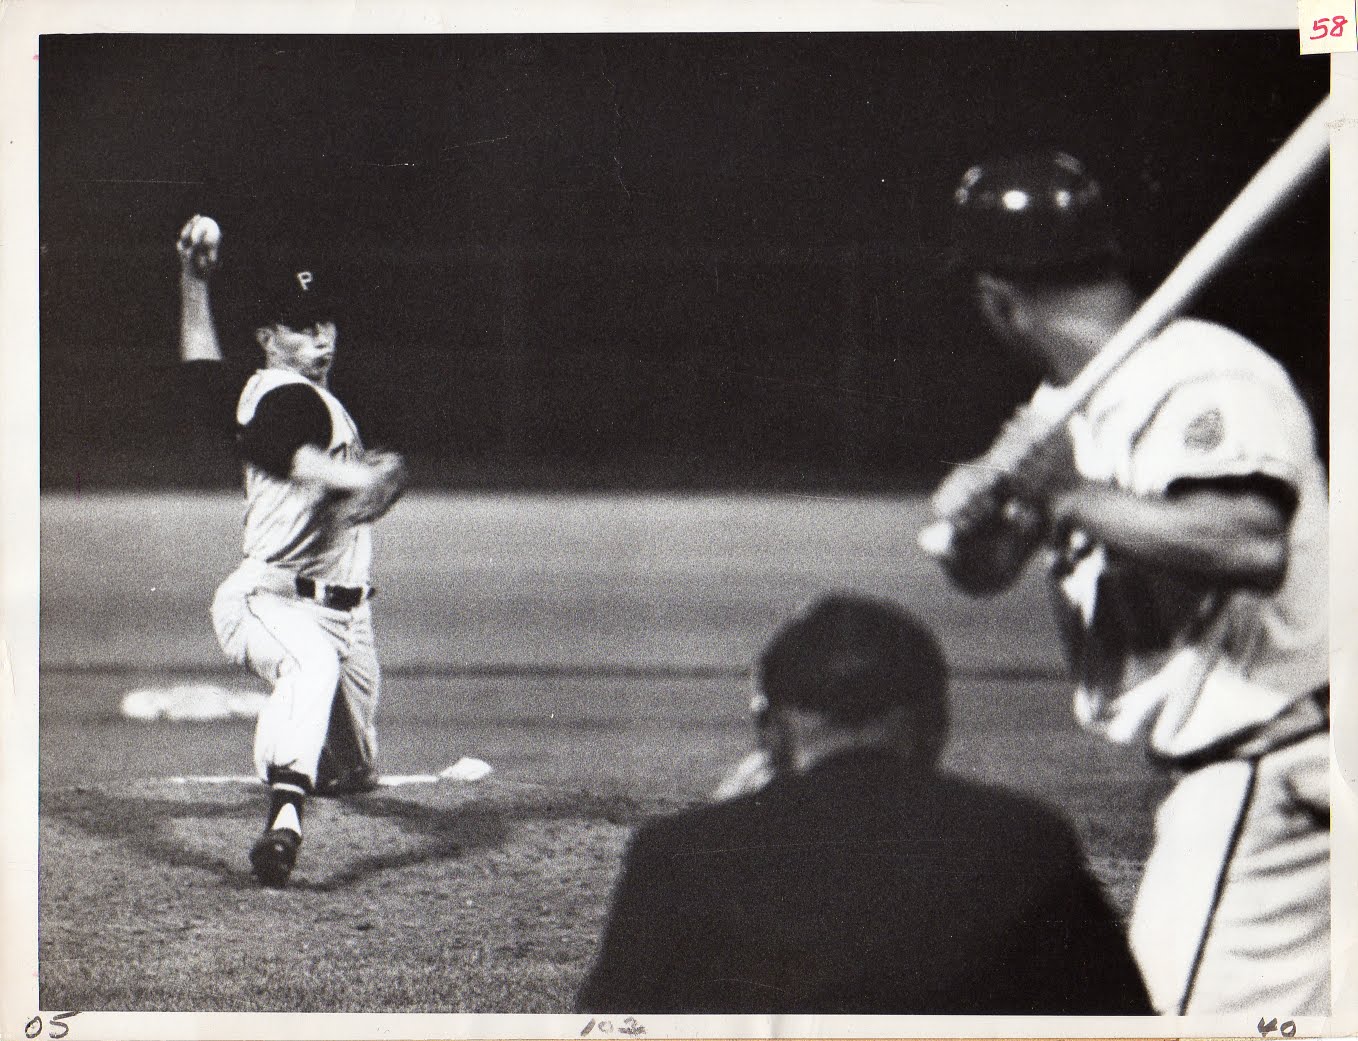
(357, 781)
(273, 856)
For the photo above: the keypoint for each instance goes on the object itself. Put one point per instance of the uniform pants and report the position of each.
(309, 653)
(1233, 912)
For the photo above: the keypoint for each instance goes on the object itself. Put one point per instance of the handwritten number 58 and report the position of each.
(1287, 1029)
(1319, 29)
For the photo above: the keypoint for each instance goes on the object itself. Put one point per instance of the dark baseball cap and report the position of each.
(854, 657)
(296, 295)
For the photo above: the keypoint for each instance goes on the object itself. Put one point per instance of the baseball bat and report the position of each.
(1270, 189)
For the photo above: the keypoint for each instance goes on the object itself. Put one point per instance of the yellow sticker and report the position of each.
(1326, 26)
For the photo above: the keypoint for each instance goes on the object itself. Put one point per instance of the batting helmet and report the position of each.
(1028, 214)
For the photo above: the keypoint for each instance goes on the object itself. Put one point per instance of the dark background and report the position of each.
(680, 261)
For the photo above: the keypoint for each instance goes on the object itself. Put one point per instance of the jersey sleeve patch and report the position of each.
(1206, 432)
(1226, 426)
(285, 419)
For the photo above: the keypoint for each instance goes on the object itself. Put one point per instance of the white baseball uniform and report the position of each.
(1227, 687)
(308, 650)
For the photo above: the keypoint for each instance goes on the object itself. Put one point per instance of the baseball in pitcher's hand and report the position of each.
(199, 246)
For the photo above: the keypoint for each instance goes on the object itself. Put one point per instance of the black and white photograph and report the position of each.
(725, 528)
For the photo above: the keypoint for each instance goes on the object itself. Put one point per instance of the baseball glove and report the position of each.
(388, 479)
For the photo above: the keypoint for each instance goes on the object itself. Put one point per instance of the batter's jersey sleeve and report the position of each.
(1234, 427)
(1164, 657)
(285, 419)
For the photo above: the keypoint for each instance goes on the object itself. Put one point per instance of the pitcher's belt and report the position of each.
(338, 598)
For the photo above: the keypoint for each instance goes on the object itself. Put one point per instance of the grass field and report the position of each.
(593, 649)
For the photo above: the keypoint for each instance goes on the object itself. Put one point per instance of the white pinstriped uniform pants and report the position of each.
(310, 654)
(1233, 911)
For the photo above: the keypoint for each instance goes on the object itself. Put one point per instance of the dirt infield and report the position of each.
(593, 650)
(463, 899)
(447, 897)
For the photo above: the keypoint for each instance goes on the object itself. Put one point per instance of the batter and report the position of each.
(297, 611)
(1184, 521)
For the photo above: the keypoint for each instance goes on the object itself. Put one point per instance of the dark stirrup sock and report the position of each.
(285, 807)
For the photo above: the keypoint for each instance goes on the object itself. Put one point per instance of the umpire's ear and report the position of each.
(264, 336)
(999, 302)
